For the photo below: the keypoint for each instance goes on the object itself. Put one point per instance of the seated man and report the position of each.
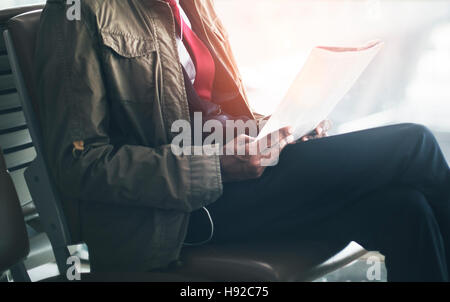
(110, 88)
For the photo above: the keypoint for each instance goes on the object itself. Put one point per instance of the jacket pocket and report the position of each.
(129, 66)
(127, 45)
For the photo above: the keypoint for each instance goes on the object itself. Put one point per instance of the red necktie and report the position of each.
(200, 55)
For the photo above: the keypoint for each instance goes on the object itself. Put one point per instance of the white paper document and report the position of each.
(327, 75)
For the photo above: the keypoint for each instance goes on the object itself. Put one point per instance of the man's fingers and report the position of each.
(286, 137)
(245, 139)
(319, 130)
(325, 125)
(275, 150)
(251, 150)
(279, 135)
(286, 132)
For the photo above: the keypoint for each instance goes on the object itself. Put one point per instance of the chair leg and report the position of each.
(61, 256)
(4, 277)
(19, 273)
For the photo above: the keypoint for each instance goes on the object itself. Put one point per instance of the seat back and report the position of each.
(14, 245)
(20, 38)
(15, 139)
(6, 14)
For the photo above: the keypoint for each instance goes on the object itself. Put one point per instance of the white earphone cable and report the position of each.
(210, 235)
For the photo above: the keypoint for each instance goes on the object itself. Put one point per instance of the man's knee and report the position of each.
(419, 133)
(418, 142)
(413, 206)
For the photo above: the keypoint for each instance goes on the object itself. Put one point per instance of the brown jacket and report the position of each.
(112, 84)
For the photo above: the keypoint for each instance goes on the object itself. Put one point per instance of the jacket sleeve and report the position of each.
(74, 108)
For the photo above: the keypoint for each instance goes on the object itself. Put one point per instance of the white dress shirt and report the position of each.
(183, 53)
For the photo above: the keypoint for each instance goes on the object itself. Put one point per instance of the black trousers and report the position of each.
(386, 188)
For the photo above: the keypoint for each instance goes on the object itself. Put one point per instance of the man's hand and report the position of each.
(320, 131)
(246, 159)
